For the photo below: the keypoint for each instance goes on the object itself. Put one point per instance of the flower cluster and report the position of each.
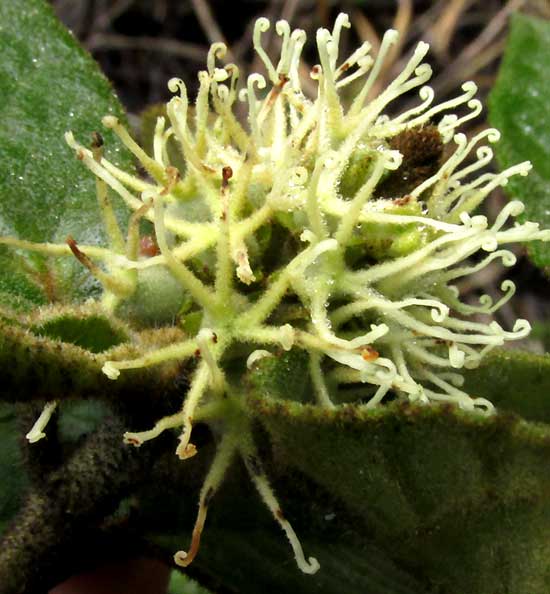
(322, 225)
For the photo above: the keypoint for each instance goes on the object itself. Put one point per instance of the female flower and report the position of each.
(321, 225)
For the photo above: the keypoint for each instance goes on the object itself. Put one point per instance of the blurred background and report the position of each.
(140, 44)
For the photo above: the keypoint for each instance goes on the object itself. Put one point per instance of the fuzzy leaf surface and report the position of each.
(94, 332)
(48, 85)
(243, 550)
(514, 381)
(14, 480)
(460, 499)
(400, 499)
(519, 109)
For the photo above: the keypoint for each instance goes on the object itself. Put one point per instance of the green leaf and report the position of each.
(283, 376)
(78, 418)
(93, 333)
(541, 331)
(514, 381)
(90, 330)
(181, 584)
(13, 476)
(519, 109)
(48, 85)
(349, 563)
(402, 499)
(241, 534)
(40, 368)
(459, 498)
